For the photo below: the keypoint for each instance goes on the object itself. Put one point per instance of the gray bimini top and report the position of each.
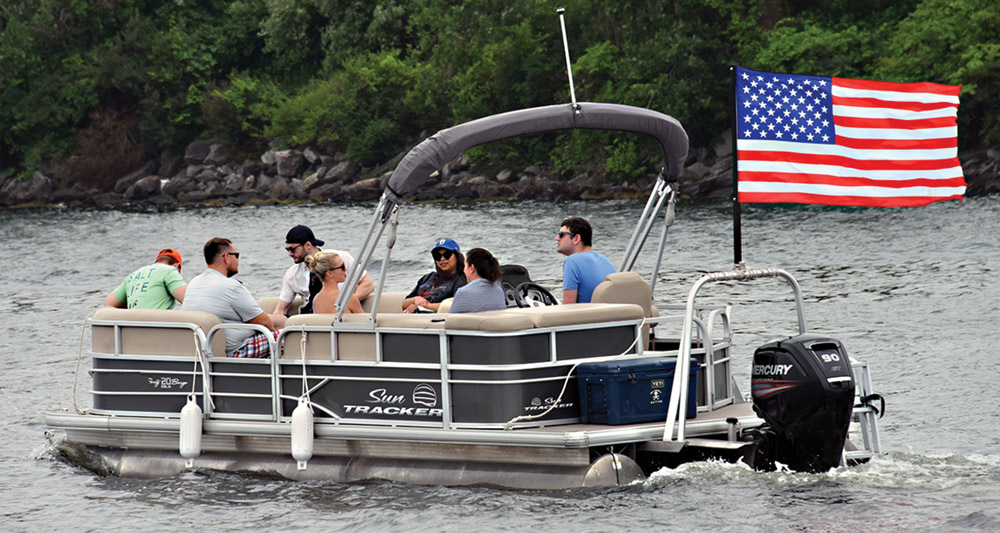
(435, 151)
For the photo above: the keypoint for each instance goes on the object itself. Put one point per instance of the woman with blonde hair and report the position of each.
(331, 270)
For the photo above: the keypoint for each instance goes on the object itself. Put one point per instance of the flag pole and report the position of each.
(737, 229)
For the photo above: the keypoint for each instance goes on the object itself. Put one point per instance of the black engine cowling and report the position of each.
(803, 388)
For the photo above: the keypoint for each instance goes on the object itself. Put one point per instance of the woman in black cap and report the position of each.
(441, 284)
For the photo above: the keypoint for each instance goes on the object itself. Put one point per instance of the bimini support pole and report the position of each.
(382, 213)
(661, 192)
(389, 243)
(668, 220)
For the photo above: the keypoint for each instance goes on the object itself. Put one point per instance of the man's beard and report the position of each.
(231, 271)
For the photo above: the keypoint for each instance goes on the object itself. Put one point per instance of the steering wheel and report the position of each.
(529, 294)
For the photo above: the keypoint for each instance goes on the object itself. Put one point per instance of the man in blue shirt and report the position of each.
(584, 268)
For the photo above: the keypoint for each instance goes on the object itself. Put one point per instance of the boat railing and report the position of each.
(711, 342)
(674, 425)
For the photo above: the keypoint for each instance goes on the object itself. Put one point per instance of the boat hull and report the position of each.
(464, 468)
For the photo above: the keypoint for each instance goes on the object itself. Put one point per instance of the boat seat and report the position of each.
(153, 331)
(627, 287)
(351, 345)
(269, 303)
(360, 345)
(390, 302)
(515, 319)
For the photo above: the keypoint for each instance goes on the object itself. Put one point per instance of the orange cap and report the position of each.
(170, 252)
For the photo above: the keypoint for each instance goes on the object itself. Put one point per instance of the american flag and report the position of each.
(838, 141)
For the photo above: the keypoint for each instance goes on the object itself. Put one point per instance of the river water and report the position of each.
(911, 291)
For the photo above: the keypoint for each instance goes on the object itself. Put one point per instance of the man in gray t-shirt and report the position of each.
(216, 291)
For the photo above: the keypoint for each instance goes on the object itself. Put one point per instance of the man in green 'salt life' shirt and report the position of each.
(156, 286)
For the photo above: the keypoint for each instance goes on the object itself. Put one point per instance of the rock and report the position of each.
(298, 188)
(15, 191)
(106, 200)
(459, 164)
(476, 180)
(40, 188)
(280, 188)
(383, 180)
(269, 159)
(289, 162)
(532, 170)
(208, 175)
(241, 199)
(341, 172)
(370, 183)
(311, 181)
(505, 176)
(725, 149)
(261, 183)
(311, 156)
(193, 171)
(176, 185)
(585, 185)
(328, 191)
(250, 167)
(234, 183)
(193, 197)
(161, 200)
(197, 152)
(143, 189)
(216, 155)
(328, 161)
(129, 179)
(68, 195)
(170, 164)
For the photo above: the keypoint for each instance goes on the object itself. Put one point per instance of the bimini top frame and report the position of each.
(437, 150)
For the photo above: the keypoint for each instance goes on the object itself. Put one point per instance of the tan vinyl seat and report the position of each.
(154, 339)
(515, 319)
(627, 287)
(269, 303)
(389, 302)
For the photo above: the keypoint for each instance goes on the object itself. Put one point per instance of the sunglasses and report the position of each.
(291, 249)
(341, 267)
(234, 254)
(562, 234)
(443, 254)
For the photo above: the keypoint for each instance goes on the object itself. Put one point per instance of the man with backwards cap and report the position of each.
(300, 281)
(155, 286)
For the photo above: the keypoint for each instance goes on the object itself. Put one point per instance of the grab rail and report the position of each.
(679, 390)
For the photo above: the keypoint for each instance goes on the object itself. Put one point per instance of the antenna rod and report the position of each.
(569, 68)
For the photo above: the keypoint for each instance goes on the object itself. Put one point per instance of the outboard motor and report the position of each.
(803, 388)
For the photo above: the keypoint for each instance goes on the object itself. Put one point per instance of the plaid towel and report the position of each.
(255, 347)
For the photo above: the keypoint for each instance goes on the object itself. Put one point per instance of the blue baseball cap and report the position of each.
(447, 244)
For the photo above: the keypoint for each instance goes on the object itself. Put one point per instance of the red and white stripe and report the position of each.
(896, 145)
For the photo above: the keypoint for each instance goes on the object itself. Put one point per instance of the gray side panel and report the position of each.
(579, 344)
(516, 349)
(405, 348)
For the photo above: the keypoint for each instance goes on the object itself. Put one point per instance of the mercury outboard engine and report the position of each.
(803, 388)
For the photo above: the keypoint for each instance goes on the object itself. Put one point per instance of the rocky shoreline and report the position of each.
(205, 175)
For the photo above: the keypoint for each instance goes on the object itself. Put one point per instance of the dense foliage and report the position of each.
(91, 88)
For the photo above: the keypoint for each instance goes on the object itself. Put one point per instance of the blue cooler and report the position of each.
(631, 391)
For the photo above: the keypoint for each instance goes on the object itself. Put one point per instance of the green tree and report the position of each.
(958, 43)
